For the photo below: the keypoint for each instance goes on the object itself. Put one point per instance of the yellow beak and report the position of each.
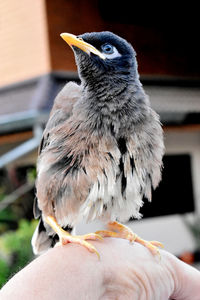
(73, 40)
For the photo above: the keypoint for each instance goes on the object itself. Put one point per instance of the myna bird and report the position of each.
(101, 151)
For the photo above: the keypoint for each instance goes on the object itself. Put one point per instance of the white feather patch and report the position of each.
(107, 192)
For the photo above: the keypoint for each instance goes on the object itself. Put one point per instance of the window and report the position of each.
(175, 192)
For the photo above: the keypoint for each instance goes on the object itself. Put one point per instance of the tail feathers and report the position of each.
(41, 241)
(36, 210)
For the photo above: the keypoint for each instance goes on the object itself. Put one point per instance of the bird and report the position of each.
(101, 151)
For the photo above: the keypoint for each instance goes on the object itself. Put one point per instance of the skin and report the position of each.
(124, 271)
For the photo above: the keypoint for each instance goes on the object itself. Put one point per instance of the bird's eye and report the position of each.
(107, 48)
(110, 51)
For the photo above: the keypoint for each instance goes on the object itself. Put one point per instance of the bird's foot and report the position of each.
(122, 231)
(65, 237)
(81, 240)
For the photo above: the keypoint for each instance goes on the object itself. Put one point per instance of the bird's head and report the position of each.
(103, 54)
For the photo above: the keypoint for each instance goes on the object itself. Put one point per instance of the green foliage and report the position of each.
(2, 192)
(31, 175)
(4, 270)
(7, 219)
(15, 235)
(15, 249)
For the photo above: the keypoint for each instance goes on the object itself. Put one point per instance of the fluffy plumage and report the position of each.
(101, 151)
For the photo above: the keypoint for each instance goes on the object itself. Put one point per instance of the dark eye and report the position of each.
(107, 48)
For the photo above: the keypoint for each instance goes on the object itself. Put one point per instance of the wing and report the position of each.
(147, 148)
(61, 111)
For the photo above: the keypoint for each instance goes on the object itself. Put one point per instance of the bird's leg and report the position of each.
(65, 237)
(122, 231)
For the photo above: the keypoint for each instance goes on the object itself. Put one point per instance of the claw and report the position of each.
(106, 233)
(122, 231)
(65, 237)
(81, 240)
(90, 236)
(157, 244)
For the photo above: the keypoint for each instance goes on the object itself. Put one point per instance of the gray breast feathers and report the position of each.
(81, 175)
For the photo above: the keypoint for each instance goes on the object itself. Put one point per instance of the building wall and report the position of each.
(31, 44)
(163, 48)
(73, 16)
(24, 40)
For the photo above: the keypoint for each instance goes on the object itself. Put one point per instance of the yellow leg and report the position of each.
(122, 231)
(65, 237)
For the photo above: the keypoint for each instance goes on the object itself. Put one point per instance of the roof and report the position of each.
(174, 99)
(27, 103)
(176, 104)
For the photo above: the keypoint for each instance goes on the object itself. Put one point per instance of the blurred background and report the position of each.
(35, 64)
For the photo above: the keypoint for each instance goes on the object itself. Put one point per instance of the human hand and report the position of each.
(124, 271)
